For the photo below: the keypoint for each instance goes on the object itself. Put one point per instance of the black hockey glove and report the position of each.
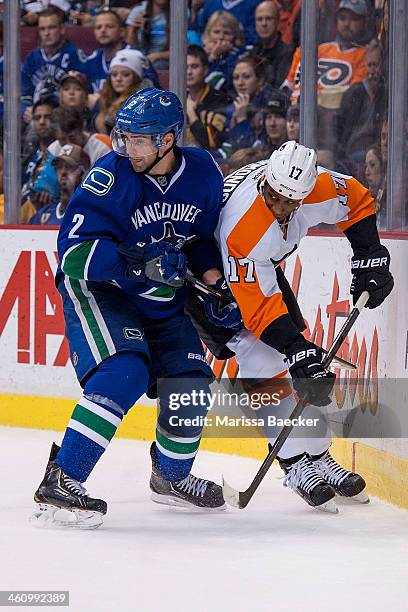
(304, 360)
(370, 269)
(160, 262)
(219, 313)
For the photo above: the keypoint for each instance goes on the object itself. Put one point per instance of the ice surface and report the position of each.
(276, 555)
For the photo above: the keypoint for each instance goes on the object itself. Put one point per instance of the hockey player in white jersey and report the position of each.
(268, 208)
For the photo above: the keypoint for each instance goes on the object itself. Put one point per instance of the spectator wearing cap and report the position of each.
(51, 60)
(74, 94)
(293, 123)
(43, 133)
(274, 132)
(276, 55)
(205, 107)
(30, 10)
(125, 78)
(70, 130)
(109, 32)
(71, 165)
(341, 62)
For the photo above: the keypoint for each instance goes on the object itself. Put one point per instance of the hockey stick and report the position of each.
(338, 361)
(240, 499)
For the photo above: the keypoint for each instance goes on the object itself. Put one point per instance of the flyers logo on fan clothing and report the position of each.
(252, 242)
(336, 68)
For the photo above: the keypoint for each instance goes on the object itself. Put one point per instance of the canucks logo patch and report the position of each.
(99, 181)
(132, 334)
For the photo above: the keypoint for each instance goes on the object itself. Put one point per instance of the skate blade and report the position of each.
(329, 507)
(47, 516)
(360, 498)
(174, 502)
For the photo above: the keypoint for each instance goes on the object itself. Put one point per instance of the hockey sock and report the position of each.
(90, 429)
(108, 394)
(175, 455)
(177, 444)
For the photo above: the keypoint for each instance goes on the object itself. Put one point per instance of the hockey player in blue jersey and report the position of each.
(121, 278)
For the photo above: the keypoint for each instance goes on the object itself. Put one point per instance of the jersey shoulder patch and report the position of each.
(99, 181)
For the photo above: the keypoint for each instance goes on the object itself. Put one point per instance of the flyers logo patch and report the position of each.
(99, 181)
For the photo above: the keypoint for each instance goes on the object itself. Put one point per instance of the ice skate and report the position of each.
(191, 492)
(63, 502)
(303, 478)
(345, 483)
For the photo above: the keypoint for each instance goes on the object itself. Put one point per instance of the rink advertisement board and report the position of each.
(34, 355)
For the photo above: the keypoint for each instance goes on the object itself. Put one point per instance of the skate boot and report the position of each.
(187, 493)
(63, 502)
(345, 483)
(303, 478)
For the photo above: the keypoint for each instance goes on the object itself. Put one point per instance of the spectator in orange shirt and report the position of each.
(341, 63)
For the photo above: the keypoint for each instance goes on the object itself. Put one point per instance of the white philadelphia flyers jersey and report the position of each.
(252, 242)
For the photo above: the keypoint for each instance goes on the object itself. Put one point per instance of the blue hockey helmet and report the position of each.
(149, 111)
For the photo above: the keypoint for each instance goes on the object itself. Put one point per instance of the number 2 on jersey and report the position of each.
(233, 274)
(78, 221)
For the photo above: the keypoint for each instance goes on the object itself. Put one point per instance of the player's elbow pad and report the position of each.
(279, 334)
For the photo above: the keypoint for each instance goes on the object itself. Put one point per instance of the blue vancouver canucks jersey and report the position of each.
(38, 67)
(115, 204)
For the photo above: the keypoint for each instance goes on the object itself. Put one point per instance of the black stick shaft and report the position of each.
(245, 496)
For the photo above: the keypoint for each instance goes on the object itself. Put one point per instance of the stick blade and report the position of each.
(231, 495)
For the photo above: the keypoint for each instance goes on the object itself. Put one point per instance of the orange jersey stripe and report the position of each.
(243, 238)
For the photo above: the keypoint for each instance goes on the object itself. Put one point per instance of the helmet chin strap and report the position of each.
(157, 159)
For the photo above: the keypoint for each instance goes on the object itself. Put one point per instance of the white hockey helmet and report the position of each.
(291, 170)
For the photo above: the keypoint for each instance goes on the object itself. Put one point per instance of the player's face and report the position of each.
(244, 79)
(266, 20)
(72, 95)
(107, 30)
(275, 127)
(140, 149)
(279, 205)
(349, 25)
(122, 79)
(196, 71)
(50, 31)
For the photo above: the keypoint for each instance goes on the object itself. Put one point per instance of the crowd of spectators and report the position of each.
(243, 85)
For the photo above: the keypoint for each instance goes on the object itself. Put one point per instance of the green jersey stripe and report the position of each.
(91, 320)
(170, 436)
(102, 412)
(75, 260)
(177, 447)
(88, 433)
(174, 455)
(94, 422)
(103, 328)
(84, 323)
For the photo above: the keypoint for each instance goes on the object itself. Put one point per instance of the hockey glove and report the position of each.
(160, 262)
(304, 360)
(219, 313)
(370, 269)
